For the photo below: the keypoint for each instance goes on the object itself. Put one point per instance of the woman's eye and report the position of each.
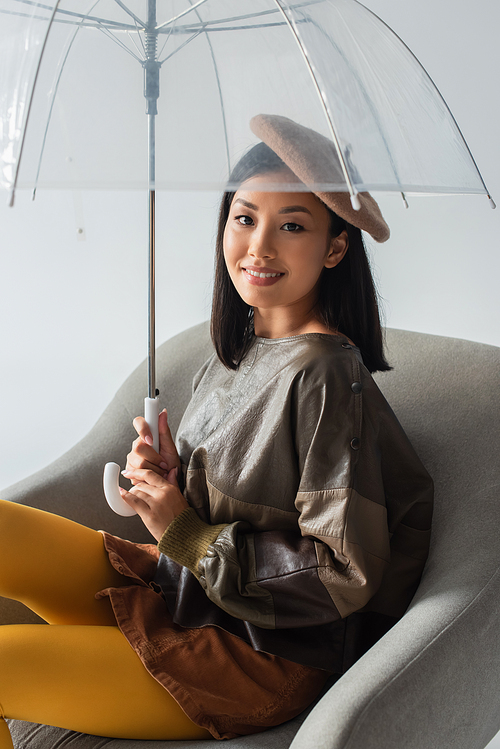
(244, 220)
(290, 226)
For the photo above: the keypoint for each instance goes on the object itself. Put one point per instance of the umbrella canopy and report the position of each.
(73, 112)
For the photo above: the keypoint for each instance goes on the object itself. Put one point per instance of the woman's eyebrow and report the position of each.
(246, 203)
(285, 209)
(295, 209)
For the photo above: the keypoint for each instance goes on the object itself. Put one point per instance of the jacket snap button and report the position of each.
(355, 443)
(356, 387)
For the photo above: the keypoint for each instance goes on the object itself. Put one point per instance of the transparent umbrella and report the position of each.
(74, 74)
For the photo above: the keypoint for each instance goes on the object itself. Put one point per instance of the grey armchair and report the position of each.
(434, 679)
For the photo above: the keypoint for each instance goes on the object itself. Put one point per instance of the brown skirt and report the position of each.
(220, 681)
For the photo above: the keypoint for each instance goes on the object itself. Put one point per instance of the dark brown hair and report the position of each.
(347, 298)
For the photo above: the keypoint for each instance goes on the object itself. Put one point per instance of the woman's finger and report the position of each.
(157, 503)
(147, 476)
(139, 504)
(143, 456)
(172, 477)
(168, 450)
(142, 429)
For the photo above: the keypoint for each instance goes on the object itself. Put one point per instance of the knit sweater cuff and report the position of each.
(187, 539)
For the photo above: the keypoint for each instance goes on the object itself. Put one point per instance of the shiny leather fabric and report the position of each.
(327, 506)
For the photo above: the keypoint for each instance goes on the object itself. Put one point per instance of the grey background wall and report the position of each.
(73, 305)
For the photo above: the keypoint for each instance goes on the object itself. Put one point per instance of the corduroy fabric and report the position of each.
(403, 692)
(220, 681)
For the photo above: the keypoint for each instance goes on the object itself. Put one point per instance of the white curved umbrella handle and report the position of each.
(112, 470)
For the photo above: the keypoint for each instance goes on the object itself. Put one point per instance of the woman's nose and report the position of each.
(262, 245)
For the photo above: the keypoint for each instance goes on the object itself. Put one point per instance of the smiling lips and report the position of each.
(262, 276)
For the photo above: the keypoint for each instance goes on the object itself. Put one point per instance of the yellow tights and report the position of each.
(79, 673)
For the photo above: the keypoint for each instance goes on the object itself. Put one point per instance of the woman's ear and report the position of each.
(338, 248)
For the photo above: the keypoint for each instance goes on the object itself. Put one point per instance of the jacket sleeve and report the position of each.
(334, 563)
(269, 579)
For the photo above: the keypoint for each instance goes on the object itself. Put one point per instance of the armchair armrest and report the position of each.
(71, 486)
(432, 681)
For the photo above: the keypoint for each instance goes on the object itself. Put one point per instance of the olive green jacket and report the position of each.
(310, 512)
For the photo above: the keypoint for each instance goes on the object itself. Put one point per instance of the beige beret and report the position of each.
(314, 160)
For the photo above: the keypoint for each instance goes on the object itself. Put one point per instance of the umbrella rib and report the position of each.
(62, 11)
(206, 27)
(180, 15)
(440, 96)
(114, 39)
(163, 47)
(248, 27)
(135, 43)
(28, 111)
(54, 94)
(245, 16)
(367, 98)
(129, 12)
(221, 98)
(352, 189)
(117, 25)
(371, 107)
(175, 51)
(68, 22)
(166, 41)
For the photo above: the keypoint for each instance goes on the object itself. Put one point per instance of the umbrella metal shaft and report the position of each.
(151, 92)
(151, 264)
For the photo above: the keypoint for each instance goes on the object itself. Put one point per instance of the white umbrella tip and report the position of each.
(355, 202)
(492, 202)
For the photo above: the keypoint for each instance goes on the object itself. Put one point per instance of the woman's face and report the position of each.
(276, 245)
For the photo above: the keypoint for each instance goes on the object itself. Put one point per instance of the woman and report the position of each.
(302, 527)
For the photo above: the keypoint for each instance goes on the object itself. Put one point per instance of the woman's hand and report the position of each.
(156, 500)
(144, 456)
